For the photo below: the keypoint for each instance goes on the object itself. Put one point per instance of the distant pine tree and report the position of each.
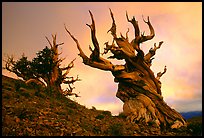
(44, 69)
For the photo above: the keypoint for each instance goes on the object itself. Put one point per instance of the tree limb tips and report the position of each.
(68, 68)
(148, 57)
(96, 52)
(113, 28)
(161, 73)
(81, 53)
(152, 32)
(135, 25)
(9, 63)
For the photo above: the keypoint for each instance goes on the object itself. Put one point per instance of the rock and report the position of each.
(76, 131)
(177, 124)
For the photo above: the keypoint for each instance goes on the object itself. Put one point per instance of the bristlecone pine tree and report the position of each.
(44, 70)
(138, 87)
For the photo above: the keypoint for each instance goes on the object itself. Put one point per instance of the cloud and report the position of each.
(183, 105)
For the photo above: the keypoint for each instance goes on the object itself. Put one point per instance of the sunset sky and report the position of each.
(178, 24)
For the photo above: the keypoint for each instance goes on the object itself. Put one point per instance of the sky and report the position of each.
(178, 24)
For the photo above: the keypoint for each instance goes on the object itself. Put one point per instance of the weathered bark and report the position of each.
(138, 87)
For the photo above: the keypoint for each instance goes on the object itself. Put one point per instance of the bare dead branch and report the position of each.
(92, 26)
(54, 41)
(104, 64)
(159, 74)
(68, 68)
(68, 92)
(151, 53)
(127, 34)
(70, 65)
(108, 47)
(9, 63)
(113, 28)
(72, 80)
(135, 25)
(96, 52)
(48, 41)
(59, 44)
(54, 37)
(160, 43)
(90, 48)
(81, 53)
(152, 33)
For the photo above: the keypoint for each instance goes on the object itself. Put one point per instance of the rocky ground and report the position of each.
(33, 112)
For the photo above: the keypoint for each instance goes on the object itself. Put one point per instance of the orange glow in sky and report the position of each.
(178, 24)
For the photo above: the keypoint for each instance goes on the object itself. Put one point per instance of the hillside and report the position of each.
(33, 112)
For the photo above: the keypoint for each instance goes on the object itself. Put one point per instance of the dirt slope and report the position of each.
(33, 112)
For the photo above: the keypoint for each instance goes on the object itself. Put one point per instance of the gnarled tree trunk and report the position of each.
(138, 87)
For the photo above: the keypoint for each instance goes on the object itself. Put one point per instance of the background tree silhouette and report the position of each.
(44, 69)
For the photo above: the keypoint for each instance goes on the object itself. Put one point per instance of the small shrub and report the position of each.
(195, 129)
(116, 129)
(72, 105)
(70, 111)
(17, 85)
(23, 114)
(61, 113)
(37, 93)
(6, 97)
(122, 115)
(86, 125)
(108, 113)
(27, 95)
(34, 85)
(9, 88)
(100, 116)
(49, 91)
(96, 130)
(93, 108)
